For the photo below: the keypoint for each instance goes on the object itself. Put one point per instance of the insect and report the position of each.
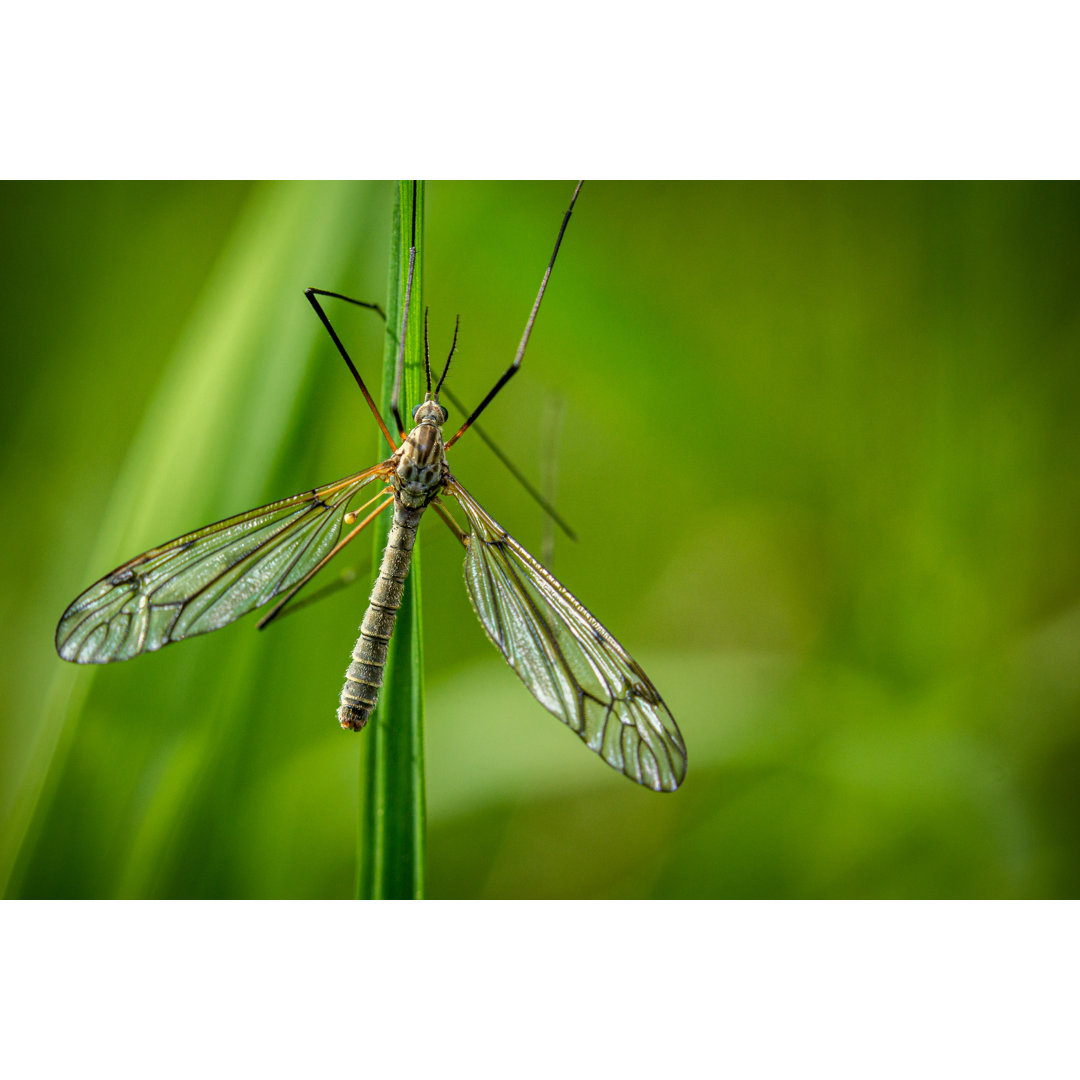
(205, 579)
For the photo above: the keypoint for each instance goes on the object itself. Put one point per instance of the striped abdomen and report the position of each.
(365, 674)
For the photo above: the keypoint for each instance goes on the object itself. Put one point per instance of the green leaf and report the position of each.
(392, 803)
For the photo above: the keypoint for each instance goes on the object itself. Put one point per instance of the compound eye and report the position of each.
(415, 410)
(445, 414)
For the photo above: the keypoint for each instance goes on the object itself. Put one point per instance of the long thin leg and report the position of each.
(517, 474)
(342, 581)
(312, 295)
(276, 609)
(451, 524)
(395, 398)
(549, 467)
(370, 305)
(513, 368)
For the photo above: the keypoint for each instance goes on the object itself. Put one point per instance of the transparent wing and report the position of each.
(572, 665)
(206, 579)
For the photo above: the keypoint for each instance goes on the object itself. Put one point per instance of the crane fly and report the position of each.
(205, 579)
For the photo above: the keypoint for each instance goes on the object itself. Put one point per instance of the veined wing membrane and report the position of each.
(566, 658)
(206, 579)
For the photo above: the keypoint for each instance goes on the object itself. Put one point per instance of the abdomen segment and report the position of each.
(365, 674)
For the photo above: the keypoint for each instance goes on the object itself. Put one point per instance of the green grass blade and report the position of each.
(392, 803)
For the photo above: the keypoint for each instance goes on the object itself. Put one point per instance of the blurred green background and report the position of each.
(819, 442)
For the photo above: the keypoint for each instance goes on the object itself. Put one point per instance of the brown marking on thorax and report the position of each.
(420, 468)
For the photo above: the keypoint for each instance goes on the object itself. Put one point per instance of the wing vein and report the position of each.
(566, 657)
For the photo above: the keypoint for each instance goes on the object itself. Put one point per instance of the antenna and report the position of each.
(427, 358)
(453, 346)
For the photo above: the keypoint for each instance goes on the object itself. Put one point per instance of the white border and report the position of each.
(679, 90)
(540, 989)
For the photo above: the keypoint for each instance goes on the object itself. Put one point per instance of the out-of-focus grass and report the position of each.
(223, 428)
(846, 557)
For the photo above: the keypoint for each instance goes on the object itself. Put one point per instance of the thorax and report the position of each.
(420, 465)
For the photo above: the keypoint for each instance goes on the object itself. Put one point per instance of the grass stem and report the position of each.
(392, 803)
